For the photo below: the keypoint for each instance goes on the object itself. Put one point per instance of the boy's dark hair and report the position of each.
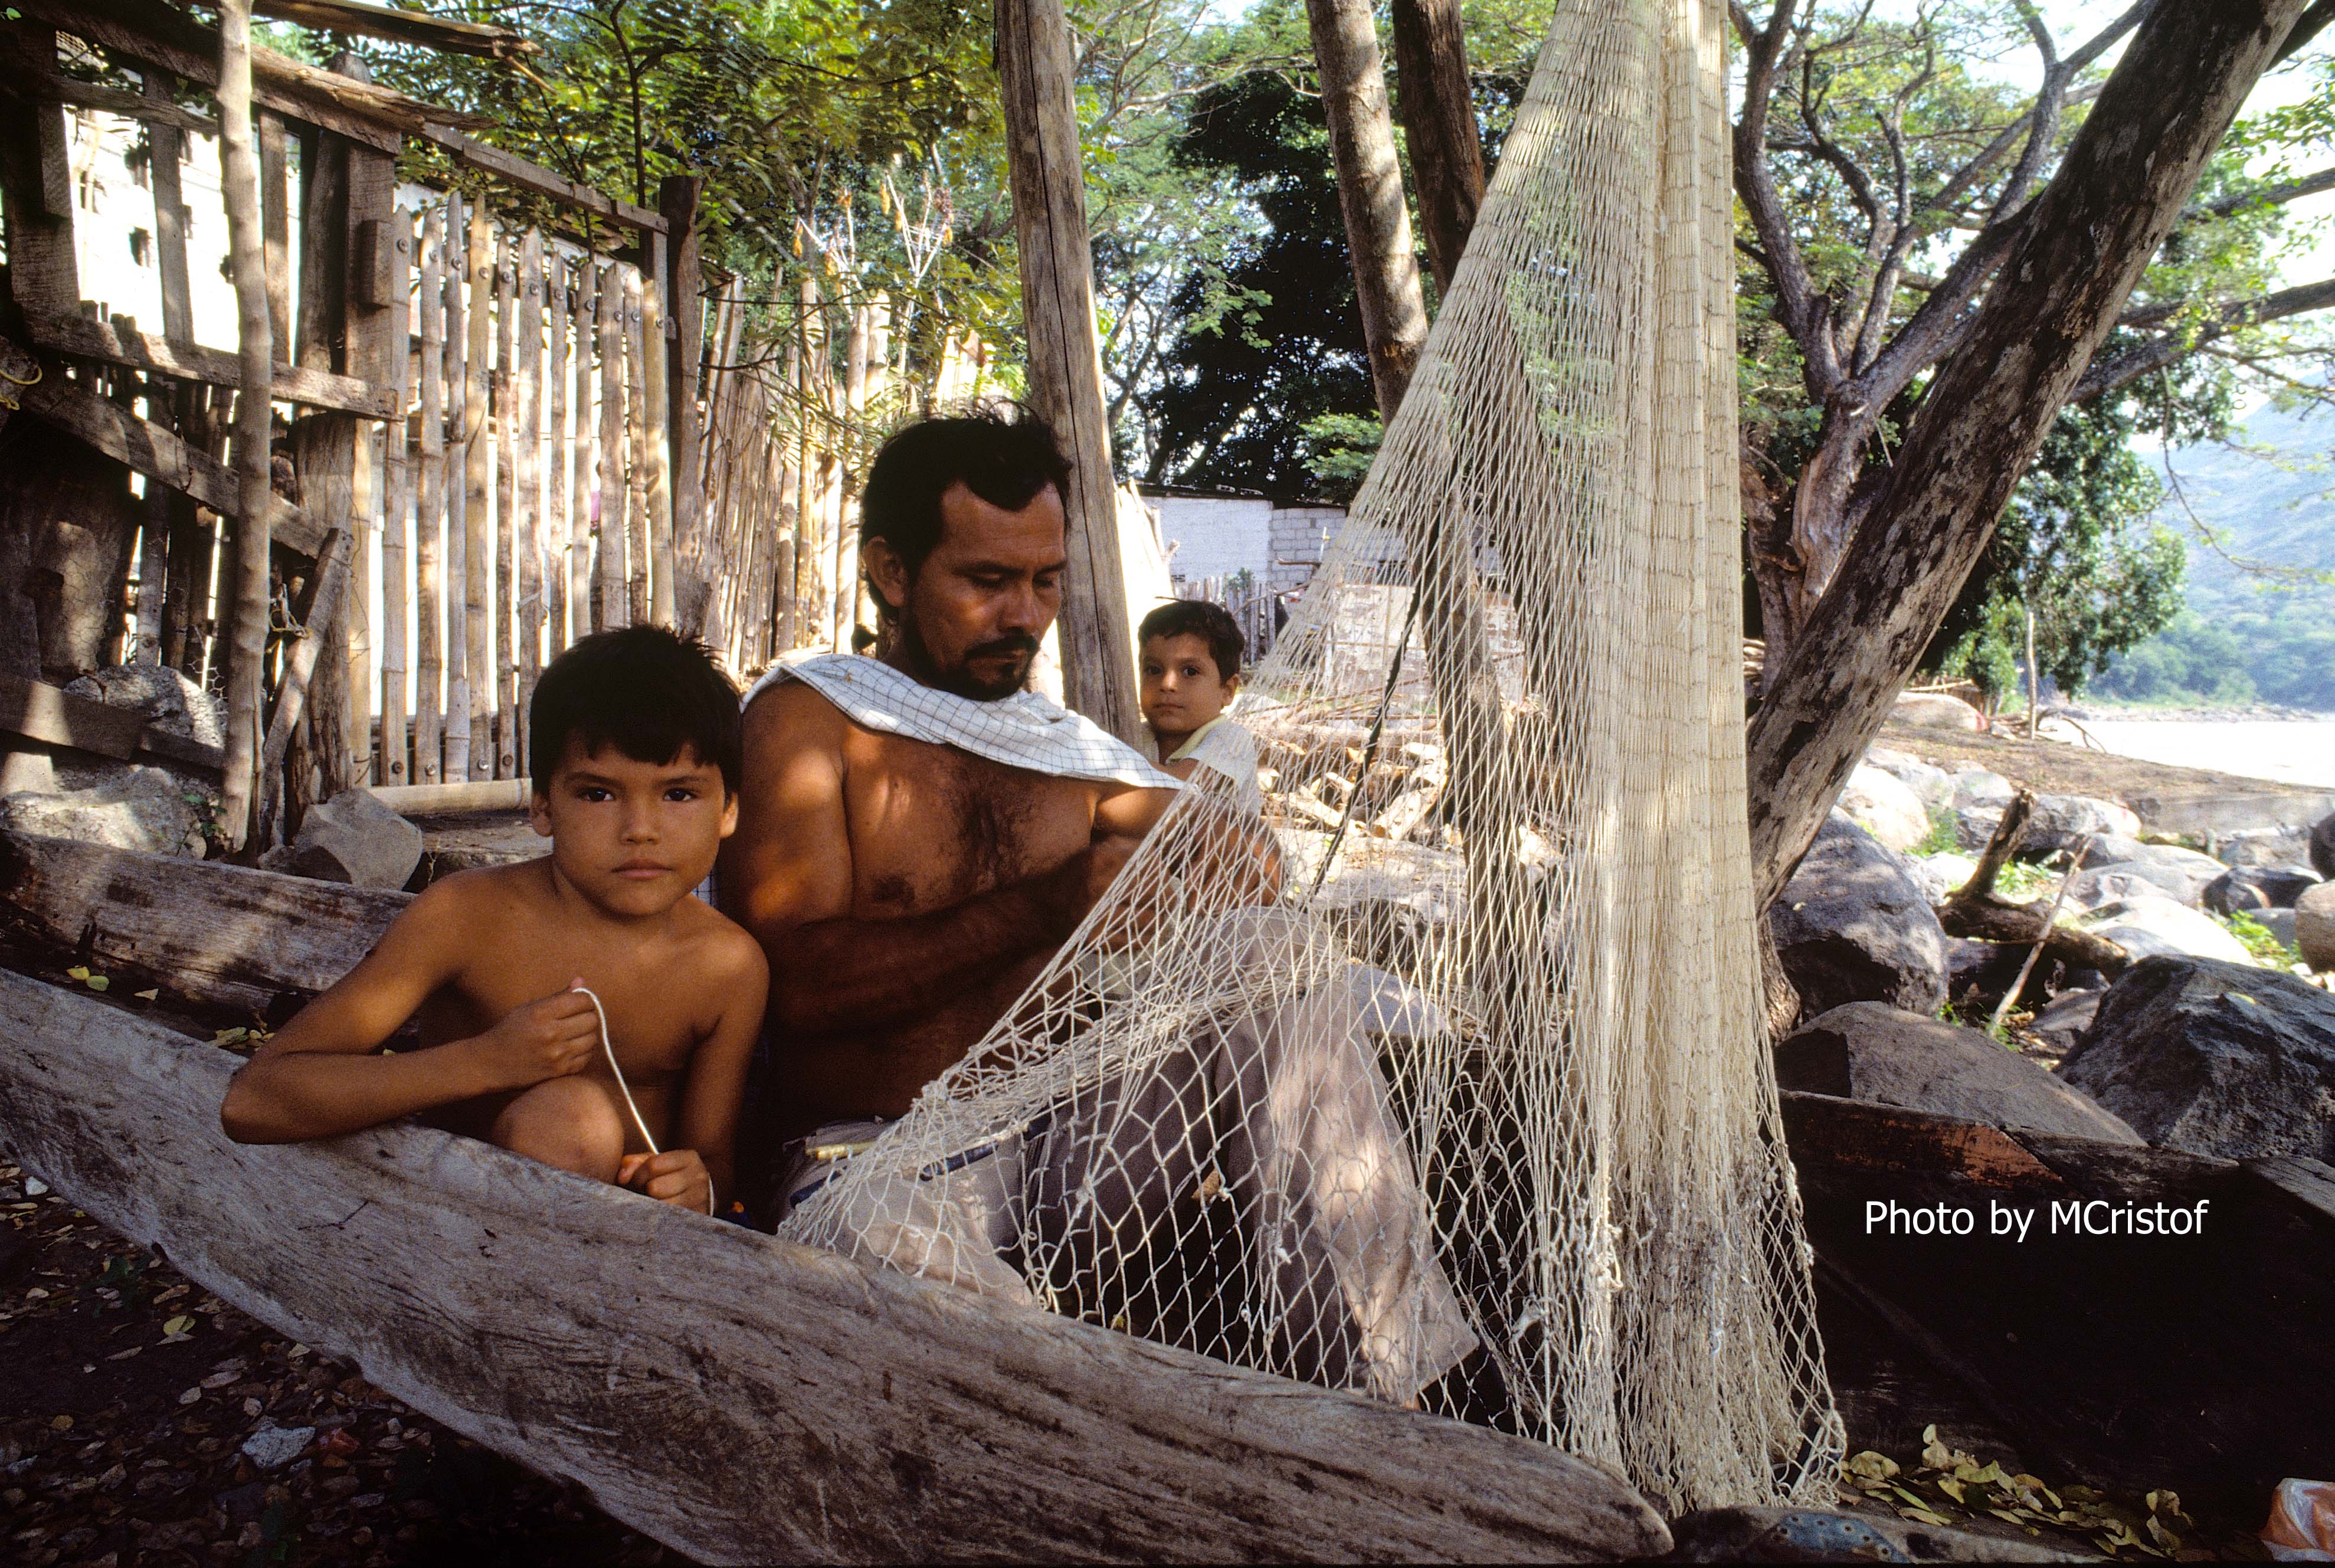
(1003, 454)
(645, 691)
(1202, 618)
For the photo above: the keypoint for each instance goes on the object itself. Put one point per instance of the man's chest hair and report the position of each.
(933, 826)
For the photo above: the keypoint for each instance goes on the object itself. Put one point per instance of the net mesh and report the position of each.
(1442, 1080)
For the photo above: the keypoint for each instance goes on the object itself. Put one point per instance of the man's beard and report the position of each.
(961, 680)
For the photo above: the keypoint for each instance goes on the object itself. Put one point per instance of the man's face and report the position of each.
(971, 616)
(635, 837)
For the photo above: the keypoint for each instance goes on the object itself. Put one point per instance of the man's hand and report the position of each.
(553, 1038)
(676, 1176)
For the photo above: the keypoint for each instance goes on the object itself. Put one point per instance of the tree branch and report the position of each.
(2108, 375)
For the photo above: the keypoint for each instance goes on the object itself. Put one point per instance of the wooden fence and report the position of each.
(1252, 604)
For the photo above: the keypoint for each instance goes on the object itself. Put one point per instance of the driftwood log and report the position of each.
(736, 1397)
(1973, 909)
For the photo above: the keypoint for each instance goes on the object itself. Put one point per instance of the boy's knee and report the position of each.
(568, 1122)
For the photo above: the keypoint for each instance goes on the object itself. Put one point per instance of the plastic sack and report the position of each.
(2301, 1527)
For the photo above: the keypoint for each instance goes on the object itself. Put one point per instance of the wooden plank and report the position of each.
(478, 523)
(42, 273)
(456, 577)
(397, 516)
(149, 30)
(583, 306)
(429, 508)
(657, 451)
(441, 34)
(40, 712)
(426, 799)
(118, 342)
(155, 110)
(857, 1415)
(329, 587)
(681, 281)
(560, 451)
(534, 179)
(275, 226)
(637, 601)
(148, 449)
(506, 500)
(609, 610)
(526, 526)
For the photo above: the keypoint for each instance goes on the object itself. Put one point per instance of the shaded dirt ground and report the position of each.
(127, 1395)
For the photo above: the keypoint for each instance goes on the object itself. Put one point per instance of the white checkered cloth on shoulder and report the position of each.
(1027, 729)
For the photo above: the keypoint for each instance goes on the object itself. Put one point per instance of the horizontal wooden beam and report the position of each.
(431, 800)
(55, 89)
(538, 181)
(149, 450)
(55, 717)
(443, 33)
(740, 1399)
(117, 343)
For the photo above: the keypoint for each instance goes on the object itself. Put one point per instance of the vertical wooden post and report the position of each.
(477, 522)
(377, 337)
(325, 456)
(685, 287)
(454, 580)
(657, 451)
(810, 396)
(577, 563)
(555, 474)
(608, 611)
(1034, 71)
(526, 413)
(636, 451)
(276, 221)
(165, 505)
(430, 513)
(239, 183)
(396, 525)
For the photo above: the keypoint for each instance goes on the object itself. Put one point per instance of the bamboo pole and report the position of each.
(656, 450)
(478, 542)
(396, 525)
(559, 453)
(255, 343)
(636, 447)
(505, 427)
(578, 562)
(376, 333)
(527, 412)
(456, 574)
(430, 512)
(609, 610)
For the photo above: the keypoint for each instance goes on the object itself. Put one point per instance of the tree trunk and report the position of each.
(1369, 194)
(2118, 192)
(1439, 119)
(255, 340)
(1034, 69)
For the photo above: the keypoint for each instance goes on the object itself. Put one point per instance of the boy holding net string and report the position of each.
(582, 1009)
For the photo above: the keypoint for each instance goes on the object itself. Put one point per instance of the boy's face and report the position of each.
(635, 837)
(1181, 688)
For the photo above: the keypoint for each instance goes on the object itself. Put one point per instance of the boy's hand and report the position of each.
(676, 1176)
(553, 1038)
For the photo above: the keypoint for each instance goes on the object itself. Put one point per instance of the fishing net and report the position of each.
(1443, 1079)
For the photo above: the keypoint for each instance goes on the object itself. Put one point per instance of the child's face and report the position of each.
(1181, 687)
(635, 837)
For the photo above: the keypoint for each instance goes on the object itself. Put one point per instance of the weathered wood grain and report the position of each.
(740, 1399)
(115, 343)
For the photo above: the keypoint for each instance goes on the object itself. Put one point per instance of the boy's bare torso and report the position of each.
(527, 943)
(929, 828)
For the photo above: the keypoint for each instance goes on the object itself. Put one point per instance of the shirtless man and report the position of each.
(917, 835)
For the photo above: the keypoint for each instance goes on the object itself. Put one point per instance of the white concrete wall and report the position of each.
(1214, 536)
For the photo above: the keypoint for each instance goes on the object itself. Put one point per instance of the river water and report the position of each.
(2290, 751)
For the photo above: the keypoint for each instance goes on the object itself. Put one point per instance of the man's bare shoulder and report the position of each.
(794, 716)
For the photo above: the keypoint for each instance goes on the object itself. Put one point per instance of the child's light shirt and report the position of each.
(1223, 747)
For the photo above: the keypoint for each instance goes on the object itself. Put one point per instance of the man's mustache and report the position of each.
(1025, 645)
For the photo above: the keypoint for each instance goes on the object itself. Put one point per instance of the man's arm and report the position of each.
(322, 1075)
(787, 878)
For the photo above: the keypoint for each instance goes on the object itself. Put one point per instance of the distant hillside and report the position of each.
(2247, 637)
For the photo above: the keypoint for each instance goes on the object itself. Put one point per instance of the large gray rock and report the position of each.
(1933, 786)
(1886, 808)
(2322, 847)
(2061, 1021)
(353, 837)
(2215, 1059)
(2060, 822)
(2182, 874)
(135, 808)
(2287, 846)
(2107, 884)
(1853, 925)
(2257, 887)
(165, 698)
(2314, 926)
(1941, 874)
(1871, 1052)
(2148, 927)
(1980, 788)
(1935, 710)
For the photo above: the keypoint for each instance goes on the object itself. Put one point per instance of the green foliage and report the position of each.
(1339, 448)
(1942, 838)
(2259, 940)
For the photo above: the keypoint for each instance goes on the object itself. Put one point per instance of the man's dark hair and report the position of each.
(1006, 455)
(1202, 618)
(645, 691)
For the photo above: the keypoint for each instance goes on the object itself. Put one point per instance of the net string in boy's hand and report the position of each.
(608, 1049)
